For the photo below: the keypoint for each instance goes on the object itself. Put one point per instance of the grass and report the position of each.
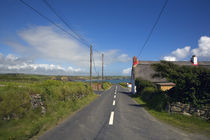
(61, 99)
(107, 85)
(186, 123)
(123, 84)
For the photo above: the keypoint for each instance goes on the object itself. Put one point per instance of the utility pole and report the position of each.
(98, 81)
(102, 69)
(91, 56)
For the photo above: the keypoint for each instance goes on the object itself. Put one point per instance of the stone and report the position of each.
(197, 113)
(178, 103)
(187, 114)
(175, 109)
(192, 110)
(43, 110)
(7, 118)
(202, 112)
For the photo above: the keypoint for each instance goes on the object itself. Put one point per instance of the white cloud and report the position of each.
(169, 58)
(181, 53)
(203, 50)
(11, 57)
(126, 71)
(178, 54)
(45, 42)
(13, 64)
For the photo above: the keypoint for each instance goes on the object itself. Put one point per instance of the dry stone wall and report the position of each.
(186, 109)
(36, 101)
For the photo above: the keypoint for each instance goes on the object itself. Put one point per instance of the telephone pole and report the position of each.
(91, 56)
(102, 69)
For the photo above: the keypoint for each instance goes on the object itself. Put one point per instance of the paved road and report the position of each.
(115, 116)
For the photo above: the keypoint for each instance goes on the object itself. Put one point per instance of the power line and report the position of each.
(48, 19)
(54, 11)
(94, 65)
(153, 27)
(66, 23)
(75, 36)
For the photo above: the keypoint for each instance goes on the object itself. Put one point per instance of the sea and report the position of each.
(114, 81)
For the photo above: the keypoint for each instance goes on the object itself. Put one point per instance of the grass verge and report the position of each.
(186, 123)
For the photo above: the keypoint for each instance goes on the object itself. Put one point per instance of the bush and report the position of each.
(147, 93)
(154, 98)
(123, 84)
(192, 83)
(106, 85)
(141, 84)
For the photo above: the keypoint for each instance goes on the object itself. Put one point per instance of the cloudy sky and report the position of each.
(31, 44)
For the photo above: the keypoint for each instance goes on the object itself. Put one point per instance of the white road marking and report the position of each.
(114, 96)
(113, 102)
(111, 118)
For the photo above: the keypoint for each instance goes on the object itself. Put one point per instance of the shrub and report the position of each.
(123, 84)
(154, 98)
(192, 83)
(106, 85)
(147, 93)
(158, 101)
(141, 84)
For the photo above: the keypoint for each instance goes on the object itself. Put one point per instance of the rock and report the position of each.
(202, 112)
(192, 110)
(175, 109)
(186, 108)
(187, 114)
(178, 103)
(36, 102)
(7, 118)
(43, 110)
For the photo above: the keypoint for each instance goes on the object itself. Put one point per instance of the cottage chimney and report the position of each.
(194, 60)
(135, 61)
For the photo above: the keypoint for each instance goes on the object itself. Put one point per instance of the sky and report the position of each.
(118, 28)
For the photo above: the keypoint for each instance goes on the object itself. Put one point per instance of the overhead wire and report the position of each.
(94, 66)
(153, 27)
(51, 21)
(75, 35)
(66, 23)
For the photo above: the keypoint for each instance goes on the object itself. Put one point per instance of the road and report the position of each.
(114, 116)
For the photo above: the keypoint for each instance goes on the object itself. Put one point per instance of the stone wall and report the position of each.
(36, 101)
(186, 109)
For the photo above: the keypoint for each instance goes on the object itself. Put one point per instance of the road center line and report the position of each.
(114, 96)
(113, 102)
(111, 118)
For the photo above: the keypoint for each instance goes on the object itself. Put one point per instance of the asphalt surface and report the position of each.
(115, 117)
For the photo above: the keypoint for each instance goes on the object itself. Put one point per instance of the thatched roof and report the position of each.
(145, 71)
